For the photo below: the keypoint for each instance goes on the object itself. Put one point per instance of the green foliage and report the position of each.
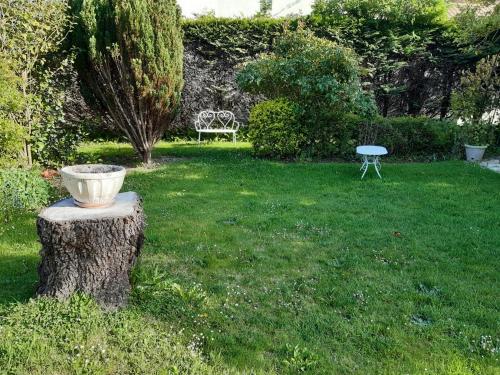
(275, 129)
(233, 39)
(130, 57)
(476, 103)
(56, 138)
(299, 359)
(410, 52)
(478, 29)
(22, 189)
(384, 14)
(307, 70)
(410, 138)
(266, 7)
(319, 76)
(398, 41)
(480, 133)
(32, 34)
(12, 134)
(11, 142)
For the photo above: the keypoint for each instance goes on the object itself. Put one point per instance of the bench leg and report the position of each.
(234, 137)
(199, 137)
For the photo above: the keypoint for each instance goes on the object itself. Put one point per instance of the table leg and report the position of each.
(365, 166)
(377, 165)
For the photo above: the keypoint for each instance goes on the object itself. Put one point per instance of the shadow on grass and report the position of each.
(124, 154)
(18, 278)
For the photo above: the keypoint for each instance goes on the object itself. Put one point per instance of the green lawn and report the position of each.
(284, 267)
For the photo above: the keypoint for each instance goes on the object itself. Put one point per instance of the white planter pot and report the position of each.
(93, 185)
(474, 153)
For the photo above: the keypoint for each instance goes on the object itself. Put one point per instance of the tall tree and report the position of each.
(266, 6)
(130, 59)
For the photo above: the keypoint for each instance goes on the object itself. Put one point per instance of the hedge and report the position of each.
(233, 39)
(410, 138)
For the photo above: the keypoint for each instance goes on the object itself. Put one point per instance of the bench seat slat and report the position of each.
(217, 131)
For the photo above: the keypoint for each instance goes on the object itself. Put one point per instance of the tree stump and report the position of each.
(90, 250)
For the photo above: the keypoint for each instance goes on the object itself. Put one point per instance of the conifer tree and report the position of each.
(130, 61)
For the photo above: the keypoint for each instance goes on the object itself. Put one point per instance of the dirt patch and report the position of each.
(157, 162)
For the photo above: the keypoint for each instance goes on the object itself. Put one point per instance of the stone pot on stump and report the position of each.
(90, 250)
(93, 185)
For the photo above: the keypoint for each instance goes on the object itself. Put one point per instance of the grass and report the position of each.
(281, 267)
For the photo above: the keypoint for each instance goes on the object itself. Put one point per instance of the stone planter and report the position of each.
(474, 153)
(93, 185)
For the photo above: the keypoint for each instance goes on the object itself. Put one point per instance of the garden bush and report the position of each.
(321, 78)
(411, 138)
(275, 129)
(476, 103)
(11, 142)
(33, 35)
(410, 51)
(22, 189)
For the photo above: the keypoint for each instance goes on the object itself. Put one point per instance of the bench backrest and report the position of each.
(216, 120)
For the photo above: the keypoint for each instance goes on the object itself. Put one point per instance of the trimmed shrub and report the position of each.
(408, 137)
(234, 39)
(274, 129)
(413, 136)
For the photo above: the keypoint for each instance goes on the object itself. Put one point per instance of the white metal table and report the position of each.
(371, 155)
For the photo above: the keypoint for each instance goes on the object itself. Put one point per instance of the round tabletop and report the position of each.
(371, 150)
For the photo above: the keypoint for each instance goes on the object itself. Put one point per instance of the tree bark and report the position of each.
(146, 156)
(91, 251)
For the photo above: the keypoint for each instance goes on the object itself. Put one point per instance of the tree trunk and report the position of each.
(146, 155)
(90, 250)
(447, 89)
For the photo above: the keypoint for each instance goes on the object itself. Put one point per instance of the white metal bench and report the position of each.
(216, 122)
